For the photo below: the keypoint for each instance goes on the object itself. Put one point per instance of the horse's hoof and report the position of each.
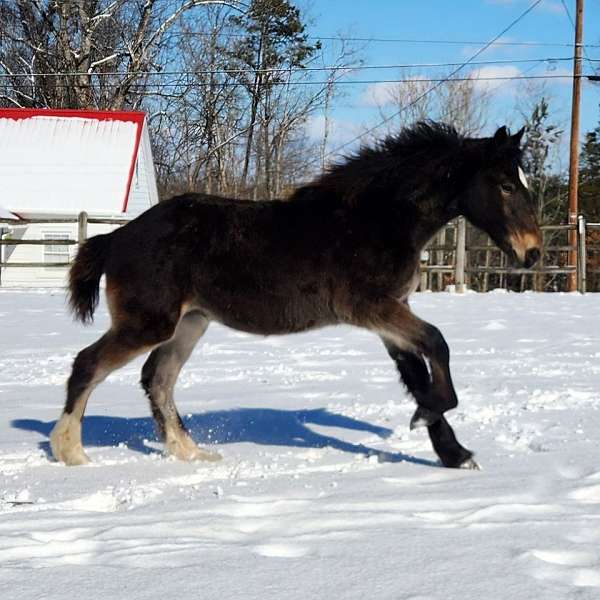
(423, 417)
(197, 454)
(72, 457)
(186, 449)
(470, 464)
(208, 456)
(76, 458)
(65, 442)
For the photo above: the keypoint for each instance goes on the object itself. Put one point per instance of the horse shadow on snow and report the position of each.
(262, 426)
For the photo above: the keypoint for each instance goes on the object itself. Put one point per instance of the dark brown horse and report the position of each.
(343, 249)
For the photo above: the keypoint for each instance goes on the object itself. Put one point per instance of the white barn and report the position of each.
(55, 164)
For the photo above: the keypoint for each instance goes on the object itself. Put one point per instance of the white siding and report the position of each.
(143, 194)
(41, 277)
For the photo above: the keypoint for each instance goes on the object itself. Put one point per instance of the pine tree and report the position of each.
(589, 188)
(275, 38)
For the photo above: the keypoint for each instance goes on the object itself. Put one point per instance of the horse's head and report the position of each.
(497, 199)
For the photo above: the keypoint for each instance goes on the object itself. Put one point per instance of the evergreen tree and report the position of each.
(589, 187)
(541, 136)
(274, 40)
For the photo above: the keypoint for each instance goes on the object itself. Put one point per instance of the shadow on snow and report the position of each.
(267, 427)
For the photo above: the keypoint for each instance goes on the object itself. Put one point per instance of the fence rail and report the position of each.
(443, 258)
(461, 269)
(82, 220)
(10, 242)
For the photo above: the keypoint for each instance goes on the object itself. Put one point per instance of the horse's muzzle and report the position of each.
(531, 257)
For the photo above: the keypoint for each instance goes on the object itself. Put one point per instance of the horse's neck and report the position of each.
(418, 219)
(432, 213)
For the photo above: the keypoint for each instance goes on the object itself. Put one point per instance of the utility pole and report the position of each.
(574, 149)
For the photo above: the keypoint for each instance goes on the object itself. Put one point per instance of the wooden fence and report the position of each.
(82, 233)
(451, 258)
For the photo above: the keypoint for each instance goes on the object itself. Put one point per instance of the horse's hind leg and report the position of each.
(91, 366)
(159, 375)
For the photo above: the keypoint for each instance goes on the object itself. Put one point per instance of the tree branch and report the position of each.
(168, 22)
(11, 100)
(106, 59)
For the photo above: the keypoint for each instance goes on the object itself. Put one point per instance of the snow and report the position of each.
(322, 492)
(6, 214)
(40, 153)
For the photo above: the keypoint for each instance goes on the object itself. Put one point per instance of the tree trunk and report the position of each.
(256, 92)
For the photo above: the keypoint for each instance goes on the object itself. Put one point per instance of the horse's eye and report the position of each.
(507, 187)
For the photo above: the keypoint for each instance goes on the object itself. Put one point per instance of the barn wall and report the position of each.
(143, 194)
(138, 194)
(58, 163)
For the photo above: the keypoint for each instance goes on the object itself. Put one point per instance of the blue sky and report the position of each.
(460, 20)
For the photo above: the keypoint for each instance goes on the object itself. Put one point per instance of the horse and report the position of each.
(343, 249)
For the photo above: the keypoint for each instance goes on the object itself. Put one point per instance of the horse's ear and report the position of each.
(501, 136)
(516, 139)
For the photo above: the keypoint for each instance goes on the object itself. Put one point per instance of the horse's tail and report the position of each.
(84, 277)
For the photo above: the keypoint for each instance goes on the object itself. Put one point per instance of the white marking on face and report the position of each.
(523, 179)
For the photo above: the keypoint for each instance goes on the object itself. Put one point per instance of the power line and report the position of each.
(439, 83)
(568, 12)
(549, 59)
(393, 40)
(439, 80)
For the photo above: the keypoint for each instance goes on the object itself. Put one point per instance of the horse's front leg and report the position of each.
(415, 375)
(410, 341)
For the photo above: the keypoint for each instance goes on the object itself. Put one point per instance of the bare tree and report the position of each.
(200, 121)
(226, 91)
(457, 101)
(209, 127)
(85, 53)
(274, 42)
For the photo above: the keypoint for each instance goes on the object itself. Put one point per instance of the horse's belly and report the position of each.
(268, 315)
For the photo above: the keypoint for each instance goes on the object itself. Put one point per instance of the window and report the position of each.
(54, 253)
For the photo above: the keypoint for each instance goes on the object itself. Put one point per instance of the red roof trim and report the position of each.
(136, 147)
(98, 115)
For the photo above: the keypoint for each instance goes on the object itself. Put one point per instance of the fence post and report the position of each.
(82, 222)
(539, 283)
(581, 255)
(424, 258)
(461, 251)
(439, 259)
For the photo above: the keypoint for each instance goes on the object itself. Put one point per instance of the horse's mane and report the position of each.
(427, 135)
(409, 160)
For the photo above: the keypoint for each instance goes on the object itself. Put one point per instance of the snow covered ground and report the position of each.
(322, 492)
